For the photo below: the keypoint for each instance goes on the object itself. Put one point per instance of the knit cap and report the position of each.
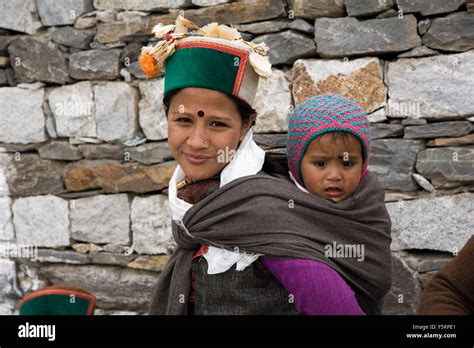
(323, 114)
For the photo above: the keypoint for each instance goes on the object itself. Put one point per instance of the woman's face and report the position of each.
(203, 126)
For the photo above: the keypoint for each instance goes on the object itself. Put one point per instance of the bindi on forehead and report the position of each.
(201, 113)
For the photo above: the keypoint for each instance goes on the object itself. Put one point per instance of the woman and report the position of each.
(229, 217)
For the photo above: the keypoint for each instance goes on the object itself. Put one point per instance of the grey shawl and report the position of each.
(269, 215)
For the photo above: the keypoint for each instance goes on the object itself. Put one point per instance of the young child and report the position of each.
(328, 146)
(328, 149)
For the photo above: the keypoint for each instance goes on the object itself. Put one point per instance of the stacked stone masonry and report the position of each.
(84, 162)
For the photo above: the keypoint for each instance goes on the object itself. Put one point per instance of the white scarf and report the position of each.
(248, 160)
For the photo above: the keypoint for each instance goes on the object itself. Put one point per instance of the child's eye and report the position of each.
(347, 164)
(319, 163)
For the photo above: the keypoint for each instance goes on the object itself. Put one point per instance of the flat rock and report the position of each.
(116, 31)
(377, 116)
(114, 177)
(22, 117)
(3, 78)
(150, 263)
(74, 110)
(423, 182)
(60, 150)
(130, 53)
(270, 141)
(101, 219)
(315, 9)
(19, 15)
(287, 46)
(51, 14)
(104, 258)
(85, 22)
(438, 129)
(102, 151)
(423, 26)
(116, 111)
(360, 80)
(4, 62)
(140, 5)
(61, 256)
(151, 225)
(374, 36)
(6, 225)
(204, 3)
(5, 41)
(429, 7)
(393, 161)
(434, 262)
(447, 167)
(440, 223)
(454, 32)
(418, 52)
(42, 221)
(457, 141)
(39, 61)
(231, 13)
(28, 175)
(264, 27)
(71, 37)
(450, 94)
(95, 65)
(149, 153)
(365, 8)
(114, 287)
(7, 279)
(272, 103)
(301, 25)
(152, 116)
(383, 130)
(414, 121)
(403, 297)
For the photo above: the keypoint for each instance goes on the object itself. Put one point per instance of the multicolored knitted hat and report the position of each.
(323, 114)
(213, 57)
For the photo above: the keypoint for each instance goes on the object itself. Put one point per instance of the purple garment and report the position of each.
(316, 287)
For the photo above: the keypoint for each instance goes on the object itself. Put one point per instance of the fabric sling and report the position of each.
(269, 215)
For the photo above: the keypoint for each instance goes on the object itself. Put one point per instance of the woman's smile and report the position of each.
(196, 159)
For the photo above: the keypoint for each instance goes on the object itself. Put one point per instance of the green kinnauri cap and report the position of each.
(213, 57)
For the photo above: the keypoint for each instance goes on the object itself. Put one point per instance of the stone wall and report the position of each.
(84, 163)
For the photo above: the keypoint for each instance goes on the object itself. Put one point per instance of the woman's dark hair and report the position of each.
(243, 108)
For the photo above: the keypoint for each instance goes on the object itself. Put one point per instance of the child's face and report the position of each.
(331, 168)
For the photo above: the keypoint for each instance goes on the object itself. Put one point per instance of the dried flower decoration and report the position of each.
(152, 59)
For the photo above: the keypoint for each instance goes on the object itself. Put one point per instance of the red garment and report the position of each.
(192, 194)
(202, 250)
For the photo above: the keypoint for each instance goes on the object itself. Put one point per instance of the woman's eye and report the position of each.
(319, 163)
(218, 124)
(183, 120)
(347, 164)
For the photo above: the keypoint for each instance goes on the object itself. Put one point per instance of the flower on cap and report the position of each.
(152, 59)
(160, 30)
(219, 32)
